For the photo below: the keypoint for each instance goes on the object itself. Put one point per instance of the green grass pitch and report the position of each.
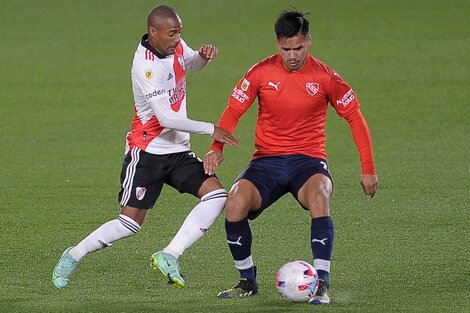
(66, 105)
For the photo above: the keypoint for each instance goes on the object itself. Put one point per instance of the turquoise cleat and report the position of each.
(64, 270)
(168, 265)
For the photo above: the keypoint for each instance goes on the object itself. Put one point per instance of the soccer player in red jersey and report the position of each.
(158, 150)
(293, 90)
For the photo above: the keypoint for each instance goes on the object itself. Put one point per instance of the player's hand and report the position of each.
(369, 184)
(208, 52)
(212, 159)
(222, 135)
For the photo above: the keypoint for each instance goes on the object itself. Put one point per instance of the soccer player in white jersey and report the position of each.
(158, 150)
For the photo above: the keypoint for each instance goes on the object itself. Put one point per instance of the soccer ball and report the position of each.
(297, 281)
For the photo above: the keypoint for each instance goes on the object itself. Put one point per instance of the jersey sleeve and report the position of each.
(362, 139)
(153, 87)
(245, 92)
(341, 96)
(192, 60)
(344, 101)
(241, 99)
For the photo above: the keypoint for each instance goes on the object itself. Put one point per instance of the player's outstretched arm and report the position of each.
(221, 135)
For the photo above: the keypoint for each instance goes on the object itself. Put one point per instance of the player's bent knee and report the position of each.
(319, 206)
(211, 184)
(321, 184)
(235, 209)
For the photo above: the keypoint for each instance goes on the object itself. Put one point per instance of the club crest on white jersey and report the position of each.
(181, 62)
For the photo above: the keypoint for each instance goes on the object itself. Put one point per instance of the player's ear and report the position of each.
(309, 39)
(277, 43)
(152, 31)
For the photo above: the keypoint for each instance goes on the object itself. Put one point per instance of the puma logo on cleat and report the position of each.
(320, 241)
(235, 242)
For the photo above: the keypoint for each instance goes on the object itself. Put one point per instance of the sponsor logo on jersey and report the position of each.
(239, 95)
(155, 93)
(245, 84)
(149, 74)
(177, 93)
(312, 88)
(346, 99)
(169, 76)
(140, 193)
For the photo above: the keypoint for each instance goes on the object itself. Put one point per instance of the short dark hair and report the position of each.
(291, 23)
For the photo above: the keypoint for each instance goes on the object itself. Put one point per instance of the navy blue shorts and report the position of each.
(275, 176)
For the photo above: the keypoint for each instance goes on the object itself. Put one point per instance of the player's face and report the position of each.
(294, 51)
(166, 36)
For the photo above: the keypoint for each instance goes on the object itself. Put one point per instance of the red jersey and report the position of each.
(293, 107)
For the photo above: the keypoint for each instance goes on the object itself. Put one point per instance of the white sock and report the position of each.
(105, 235)
(201, 217)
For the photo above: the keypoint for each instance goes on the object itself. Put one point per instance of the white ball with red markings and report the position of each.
(297, 281)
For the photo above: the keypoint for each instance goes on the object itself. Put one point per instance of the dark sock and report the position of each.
(239, 239)
(322, 236)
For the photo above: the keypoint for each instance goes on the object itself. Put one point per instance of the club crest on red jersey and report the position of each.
(312, 88)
